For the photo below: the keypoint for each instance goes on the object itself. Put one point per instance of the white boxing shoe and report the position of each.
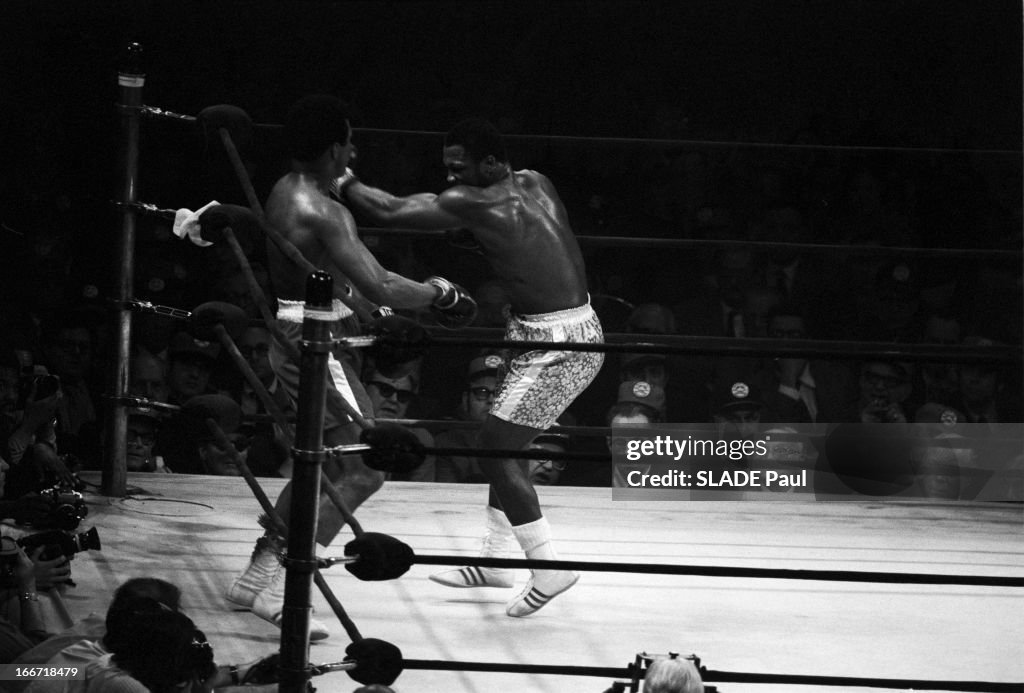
(259, 574)
(540, 590)
(474, 576)
(269, 604)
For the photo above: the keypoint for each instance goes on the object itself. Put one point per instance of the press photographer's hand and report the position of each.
(52, 572)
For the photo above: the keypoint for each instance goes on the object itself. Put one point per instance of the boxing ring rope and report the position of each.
(713, 676)
(632, 141)
(309, 453)
(153, 210)
(881, 577)
(623, 343)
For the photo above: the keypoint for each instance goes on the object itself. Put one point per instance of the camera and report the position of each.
(45, 384)
(68, 508)
(60, 543)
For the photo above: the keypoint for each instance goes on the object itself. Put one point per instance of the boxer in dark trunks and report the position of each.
(300, 207)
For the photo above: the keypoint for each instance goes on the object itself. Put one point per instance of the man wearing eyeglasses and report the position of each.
(391, 398)
(475, 405)
(143, 425)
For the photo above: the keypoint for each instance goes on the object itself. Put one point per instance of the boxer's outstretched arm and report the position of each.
(334, 226)
(421, 211)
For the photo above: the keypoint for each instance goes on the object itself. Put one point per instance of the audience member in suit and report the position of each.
(801, 390)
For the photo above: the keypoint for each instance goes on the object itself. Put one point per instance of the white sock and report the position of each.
(535, 539)
(497, 541)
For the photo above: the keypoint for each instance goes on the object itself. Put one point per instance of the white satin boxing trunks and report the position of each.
(343, 364)
(539, 385)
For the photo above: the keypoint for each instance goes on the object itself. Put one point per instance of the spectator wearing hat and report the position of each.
(982, 392)
(143, 425)
(737, 411)
(391, 397)
(648, 368)
(639, 403)
(189, 447)
(941, 451)
(984, 407)
(737, 408)
(475, 403)
(637, 399)
(680, 378)
(214, 457)
(190, 363)
(548, 472)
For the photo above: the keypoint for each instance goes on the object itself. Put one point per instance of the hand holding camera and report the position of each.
(50, 572)
(16, 568)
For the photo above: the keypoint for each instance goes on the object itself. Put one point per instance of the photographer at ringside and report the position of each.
(29, 398)
(21, 622)
(27, 507)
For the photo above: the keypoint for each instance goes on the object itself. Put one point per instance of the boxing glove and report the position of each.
(453, 307)
(340, 184)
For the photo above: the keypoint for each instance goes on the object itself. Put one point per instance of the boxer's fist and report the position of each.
(453, 307)
(341, 184)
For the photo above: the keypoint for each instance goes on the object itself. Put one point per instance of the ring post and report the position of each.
(130, 80)
(308, 454)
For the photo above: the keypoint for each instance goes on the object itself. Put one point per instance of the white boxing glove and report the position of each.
(340, 184)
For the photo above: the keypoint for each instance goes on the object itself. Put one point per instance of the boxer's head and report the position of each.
(474, 153)
(317, 126)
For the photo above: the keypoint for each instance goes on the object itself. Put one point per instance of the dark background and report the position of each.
(693, 96)
(875, 73)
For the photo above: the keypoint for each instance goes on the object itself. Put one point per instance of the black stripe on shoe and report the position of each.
(536, 599)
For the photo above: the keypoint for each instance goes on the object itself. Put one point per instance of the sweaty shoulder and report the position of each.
(528, 177)
(298, 203)
(464, 200)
